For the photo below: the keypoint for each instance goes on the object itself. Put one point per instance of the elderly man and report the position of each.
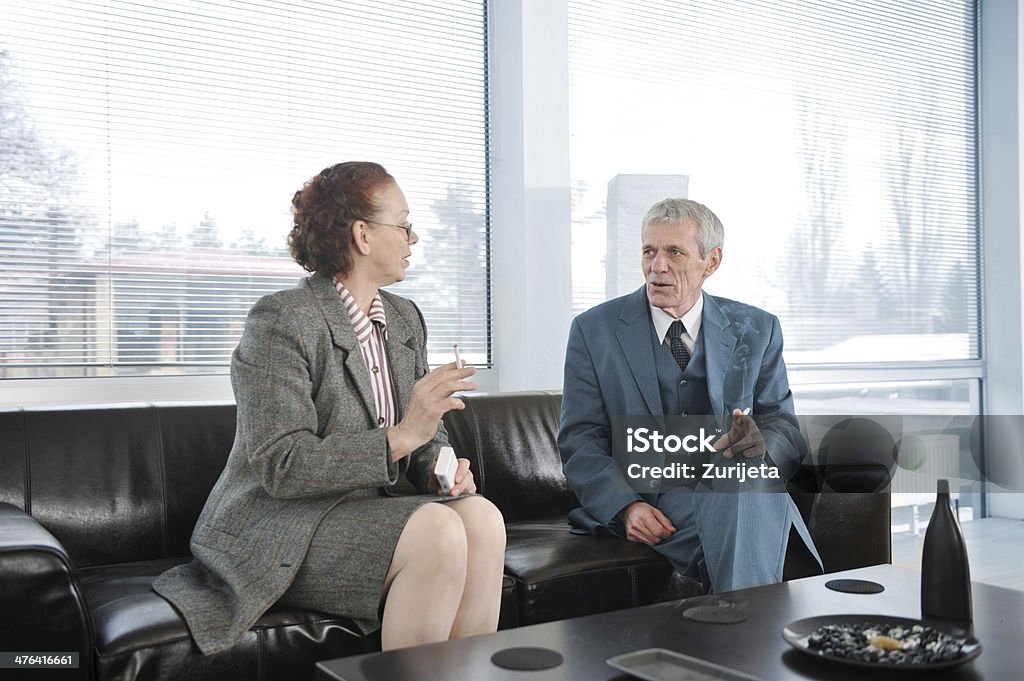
(669, 350)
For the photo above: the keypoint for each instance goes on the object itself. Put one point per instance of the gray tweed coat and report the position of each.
(306, 439)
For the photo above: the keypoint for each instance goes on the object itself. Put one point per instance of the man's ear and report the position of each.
(361, 237)
(714, 260)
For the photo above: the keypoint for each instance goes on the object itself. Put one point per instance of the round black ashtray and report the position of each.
(527, 659)
(855, 586)
(880, 641)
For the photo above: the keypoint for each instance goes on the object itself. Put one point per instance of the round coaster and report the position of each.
(855, 586)
(715, 614)
(527, 659)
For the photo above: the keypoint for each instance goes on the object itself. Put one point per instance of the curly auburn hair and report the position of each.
(324, 210)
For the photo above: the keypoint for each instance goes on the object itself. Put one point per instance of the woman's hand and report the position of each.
(432, 396)
(464, 482)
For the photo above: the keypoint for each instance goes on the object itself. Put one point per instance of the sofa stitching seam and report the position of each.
(28, 461)
(141, 646)
(260, 633)
(630, 569)
(162, 458)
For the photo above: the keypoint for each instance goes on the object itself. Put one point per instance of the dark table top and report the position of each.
(754, 646)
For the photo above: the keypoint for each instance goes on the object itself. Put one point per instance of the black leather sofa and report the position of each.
(95, 502)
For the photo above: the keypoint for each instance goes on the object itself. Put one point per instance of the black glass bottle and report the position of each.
(945, 574)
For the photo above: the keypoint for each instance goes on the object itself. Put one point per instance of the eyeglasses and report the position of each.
(407, 227)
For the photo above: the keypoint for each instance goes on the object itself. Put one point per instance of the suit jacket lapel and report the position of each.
(402, 354)
(344, 338)
(634, 336)
(719, 343)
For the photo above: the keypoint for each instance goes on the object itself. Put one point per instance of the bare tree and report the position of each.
(813, 280)
(205, 234)
(39, 227)
(909, 273)
(461, 291)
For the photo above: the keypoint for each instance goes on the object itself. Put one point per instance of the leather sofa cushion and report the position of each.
(510, 441)
(139, 635)
(119, 483)
(843, 538)
(195, 440)
(14, 458)
(96, 481)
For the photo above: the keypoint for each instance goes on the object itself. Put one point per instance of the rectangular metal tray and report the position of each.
(660, 664)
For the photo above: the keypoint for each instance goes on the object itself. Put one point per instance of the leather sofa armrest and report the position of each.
(41, 605)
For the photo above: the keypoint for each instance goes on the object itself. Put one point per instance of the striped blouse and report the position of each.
(372, 332)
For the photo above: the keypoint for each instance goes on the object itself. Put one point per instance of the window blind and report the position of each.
(149, 152)
(835, 140)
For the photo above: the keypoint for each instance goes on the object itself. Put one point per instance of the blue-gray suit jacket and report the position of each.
(610, 372)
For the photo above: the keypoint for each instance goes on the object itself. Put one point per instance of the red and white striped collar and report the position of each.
(362, 323)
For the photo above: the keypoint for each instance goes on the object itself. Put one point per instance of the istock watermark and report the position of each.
(884, 453)
(656, 453)
(644, 439)
(740, 471)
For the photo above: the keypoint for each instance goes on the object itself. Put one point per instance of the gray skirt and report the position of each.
(346, 563)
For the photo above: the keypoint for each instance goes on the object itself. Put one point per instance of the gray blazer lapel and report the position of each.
(634, 336)
(719, 343)
(402, 352)
(344, 337)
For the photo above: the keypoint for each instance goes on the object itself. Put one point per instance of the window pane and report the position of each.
(835, 140)
(930, 422)
(149, 152)
(926, 398)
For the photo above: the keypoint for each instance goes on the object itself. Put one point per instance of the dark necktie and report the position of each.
(679, 351)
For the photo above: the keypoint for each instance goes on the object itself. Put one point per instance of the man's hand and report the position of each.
(743, 438)
(646, 524)
(432, 396)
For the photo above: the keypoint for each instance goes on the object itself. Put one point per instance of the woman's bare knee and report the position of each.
(483, 522)
(434, 540)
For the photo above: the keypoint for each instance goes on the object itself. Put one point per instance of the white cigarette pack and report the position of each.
(445, 468)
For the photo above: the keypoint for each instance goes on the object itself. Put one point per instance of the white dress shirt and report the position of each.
(691, 320)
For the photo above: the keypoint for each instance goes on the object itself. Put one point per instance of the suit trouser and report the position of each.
(730, 539)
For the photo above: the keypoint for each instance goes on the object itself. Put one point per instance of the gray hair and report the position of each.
(710, 232)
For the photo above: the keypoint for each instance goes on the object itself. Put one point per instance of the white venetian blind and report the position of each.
(836, 140)
(149, 152)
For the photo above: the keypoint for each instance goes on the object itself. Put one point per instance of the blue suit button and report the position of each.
(654, 484)
(682, 382)
(684, 414)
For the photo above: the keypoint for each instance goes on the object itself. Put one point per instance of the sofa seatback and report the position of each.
(115, 484)
(127, 483)
(124, 483)
(510, 441)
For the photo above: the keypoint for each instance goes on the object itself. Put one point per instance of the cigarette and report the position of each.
(458, 358)
(746, 412)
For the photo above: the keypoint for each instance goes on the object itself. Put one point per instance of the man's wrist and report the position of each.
(621, 515)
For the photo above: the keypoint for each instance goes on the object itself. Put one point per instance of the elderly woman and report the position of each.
(335, 403)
